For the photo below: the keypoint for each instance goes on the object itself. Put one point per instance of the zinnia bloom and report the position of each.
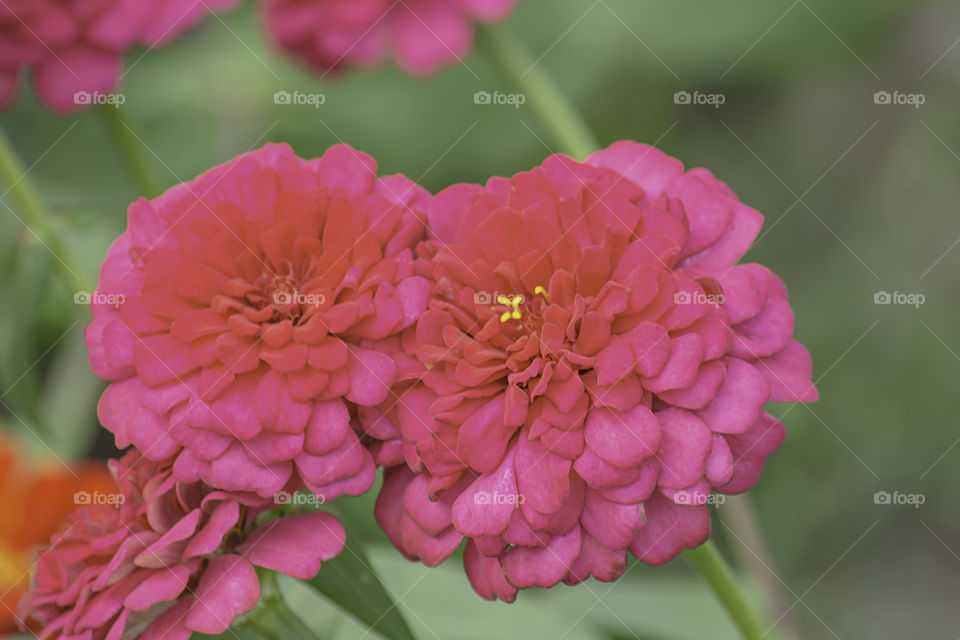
(75, 46)
(592, 364)
(162, 559)
(240, 313)
(422, 35)
(35, 497)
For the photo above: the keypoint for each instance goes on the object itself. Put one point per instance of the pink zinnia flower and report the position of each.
(592, 366)
(74, 46)
(422, 35)
(240, 312)
(162, 559)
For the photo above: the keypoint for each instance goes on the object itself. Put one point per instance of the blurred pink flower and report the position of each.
(591, 366)
(76, 47)
(162, 559)
(240, 313)
(422, 35)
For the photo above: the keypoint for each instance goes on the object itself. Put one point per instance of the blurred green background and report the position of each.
(859, 198)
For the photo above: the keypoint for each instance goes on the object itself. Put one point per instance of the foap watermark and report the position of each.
(98, 497)
(497, 498)
(897, 498)
(487, 298)
(699, 98)
(302, 299)
(511, 99)
(299, 499)
(90, 98)
(700, 499)
(697, 297)
(299, 98)
(899, 98)
(898, 297)
(99, 297)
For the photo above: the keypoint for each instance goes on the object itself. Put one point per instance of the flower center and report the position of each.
(522, 311)
(280, 293)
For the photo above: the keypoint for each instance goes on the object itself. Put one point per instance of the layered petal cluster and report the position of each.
(77, 46)
(422, 35)
(239, 317)
(592, 364)
(164, 559)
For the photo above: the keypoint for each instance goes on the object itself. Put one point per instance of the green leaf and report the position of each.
(351, 584)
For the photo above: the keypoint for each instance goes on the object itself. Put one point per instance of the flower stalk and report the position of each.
(711, 566)
(564, 124)
(274, 619)
(130, 149)
(34, 214)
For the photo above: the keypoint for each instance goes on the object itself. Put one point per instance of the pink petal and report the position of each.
(161, 586)
(371, 375)
(750, 450)
(485, 507)
(686, 354)
(623, 438)
(788, 374)
(227, 589)
(486, 575)
(595, 559)
(669, 529)
(431, 550)
(701, 391)
(295, 545)
(611, 523)
(171, 624)
(483, 437)
(236, 471)
(210, 536)
(601, 473)
(686, 445)
(719, 467)
(766, 333)
(543, 479)
(534, 567)
(58, 78)
(328, 427)
(737, 403)
(429, 35)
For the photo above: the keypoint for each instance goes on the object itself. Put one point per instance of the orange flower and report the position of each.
(35, 498)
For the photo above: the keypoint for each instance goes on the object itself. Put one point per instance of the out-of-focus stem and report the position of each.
(273, 618)
(714, 570)
(129, 147)
(564, 124)
(754, 556)
(34, 214)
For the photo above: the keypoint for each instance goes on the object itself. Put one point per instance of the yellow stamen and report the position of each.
(510, 301)
(540, 291)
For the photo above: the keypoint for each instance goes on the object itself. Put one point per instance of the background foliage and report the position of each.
(859, 198)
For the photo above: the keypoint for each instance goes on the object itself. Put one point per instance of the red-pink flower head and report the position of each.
(163, 559)
(422, 35)
(75, 48)
(239, 314)
(592, 366)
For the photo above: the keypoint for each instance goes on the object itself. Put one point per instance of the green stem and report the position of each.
(714, 570)
(130, 148)
(754, 556)
(274, 619)
(34, 214)
(554, 111)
